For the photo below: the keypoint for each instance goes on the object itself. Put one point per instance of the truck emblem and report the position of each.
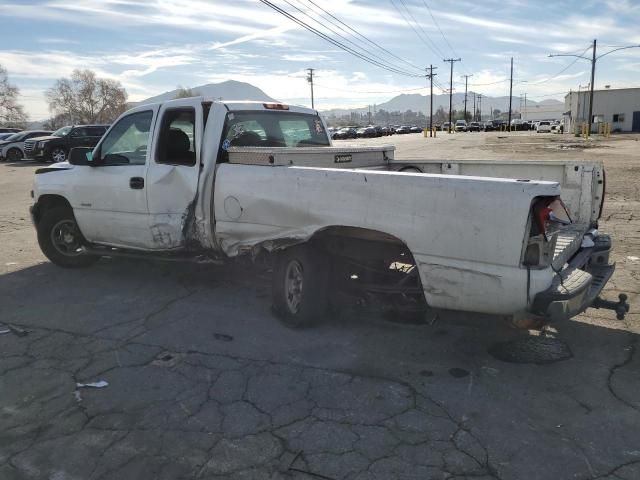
(342, 159)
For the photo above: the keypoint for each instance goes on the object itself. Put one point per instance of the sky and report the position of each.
(152, 46)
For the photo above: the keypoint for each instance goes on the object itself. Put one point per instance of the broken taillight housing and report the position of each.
(548, 215)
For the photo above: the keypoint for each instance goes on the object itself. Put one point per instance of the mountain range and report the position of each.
(229, 90)
(233, 90)
(420, 103)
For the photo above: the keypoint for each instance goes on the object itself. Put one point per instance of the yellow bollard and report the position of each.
(425, 132)
(434, 132)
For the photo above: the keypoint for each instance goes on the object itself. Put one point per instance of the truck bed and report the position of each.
(582, 182)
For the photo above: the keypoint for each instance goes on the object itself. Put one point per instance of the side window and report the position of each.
(176, 142)
(95, 131)
(127, 141)
(79, 132)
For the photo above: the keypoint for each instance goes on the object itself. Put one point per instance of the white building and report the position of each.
(619, 107)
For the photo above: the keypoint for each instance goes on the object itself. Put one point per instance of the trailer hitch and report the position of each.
(621, 308)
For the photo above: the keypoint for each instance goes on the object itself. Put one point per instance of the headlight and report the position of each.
(42, 144)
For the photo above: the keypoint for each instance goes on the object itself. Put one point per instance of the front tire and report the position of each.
(14, 155)
(58, 155)
(61, 241)
(300, 284)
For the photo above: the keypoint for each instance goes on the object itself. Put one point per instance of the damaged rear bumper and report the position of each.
(578, 284)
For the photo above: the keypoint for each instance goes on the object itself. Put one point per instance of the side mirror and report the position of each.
(81, 156)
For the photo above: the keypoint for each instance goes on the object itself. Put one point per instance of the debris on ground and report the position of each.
(98, 384)
(20, 332)
(534, 349)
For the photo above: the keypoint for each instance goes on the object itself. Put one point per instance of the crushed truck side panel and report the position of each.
(471, 228)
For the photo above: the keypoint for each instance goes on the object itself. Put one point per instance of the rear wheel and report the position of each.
(14, 155)
(60, 239)
(58, 155)
(300, 284)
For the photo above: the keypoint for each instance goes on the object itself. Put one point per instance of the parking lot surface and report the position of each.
(202, 381)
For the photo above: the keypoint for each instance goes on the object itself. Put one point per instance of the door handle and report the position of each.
(137, 183)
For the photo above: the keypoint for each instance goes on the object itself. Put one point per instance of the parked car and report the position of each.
(488, 126)
(499, 246)
(9, 130)
(446, 126)
(12, 148)
(345, 133)
(56, 147)
(544, 127)
(499, 124)
(415, 129)
(403, 129)
(461, 126)
(5, 135)
(474, 127)
(367, 132)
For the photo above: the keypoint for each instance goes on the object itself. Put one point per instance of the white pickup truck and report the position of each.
(192, 177)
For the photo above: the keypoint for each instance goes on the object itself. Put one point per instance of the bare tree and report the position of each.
(85, 98)
(184, 92)
(11, 112)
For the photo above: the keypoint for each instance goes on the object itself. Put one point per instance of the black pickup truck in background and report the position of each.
(56, 147)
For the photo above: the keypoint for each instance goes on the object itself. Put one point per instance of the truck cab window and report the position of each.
(176, 143)
(127, 141)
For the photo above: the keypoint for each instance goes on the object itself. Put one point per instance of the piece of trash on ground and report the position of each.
(10, 264)
(99, 384)
(223, 337)
(20, 332)
(3, 332)
(77, 396)
(633, 258)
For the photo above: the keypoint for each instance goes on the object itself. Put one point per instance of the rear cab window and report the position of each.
(271, 129)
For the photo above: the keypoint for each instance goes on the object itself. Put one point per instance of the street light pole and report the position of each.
(593, 60)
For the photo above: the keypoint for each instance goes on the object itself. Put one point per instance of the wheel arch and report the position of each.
(48, 201)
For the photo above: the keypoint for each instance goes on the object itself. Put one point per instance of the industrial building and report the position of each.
(620, 107)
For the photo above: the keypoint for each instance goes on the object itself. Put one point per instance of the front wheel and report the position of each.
(14, 155)
(58, 155)
(61, 241)
(300, 284)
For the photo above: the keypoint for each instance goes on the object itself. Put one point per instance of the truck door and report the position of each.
(109, 198)
(174, 168)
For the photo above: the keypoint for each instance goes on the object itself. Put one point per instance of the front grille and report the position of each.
(29, 145)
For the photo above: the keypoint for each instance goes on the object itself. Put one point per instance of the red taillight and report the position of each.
(275, 106)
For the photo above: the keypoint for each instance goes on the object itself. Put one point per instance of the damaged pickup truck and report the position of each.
(191, 177)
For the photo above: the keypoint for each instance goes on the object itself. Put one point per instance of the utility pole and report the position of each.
(480, 107)
(474, 107)
(310, 80)
(593, 73)
(430, 77)
(510, 93)
(525, 103)
(466, 80)
(451, 61)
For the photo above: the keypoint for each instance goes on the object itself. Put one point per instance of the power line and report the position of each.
(433, 48)
(439, 29)
(383, 60)
(338, 44)
(364, 37)
(374, 92)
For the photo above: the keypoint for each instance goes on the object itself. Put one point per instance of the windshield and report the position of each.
(273, 129)
(61, 132)
(13, 137)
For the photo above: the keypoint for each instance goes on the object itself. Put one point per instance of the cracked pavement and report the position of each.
(205, 383)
